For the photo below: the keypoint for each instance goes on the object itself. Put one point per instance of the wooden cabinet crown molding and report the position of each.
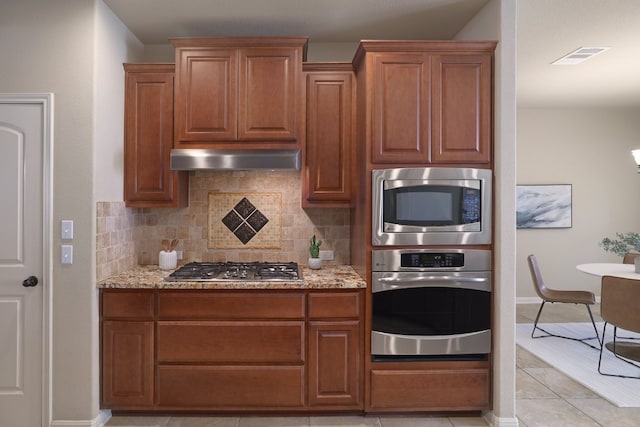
(432, 46)
(327, 66)
(195, 42)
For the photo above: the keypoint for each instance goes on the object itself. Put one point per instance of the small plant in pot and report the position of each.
(623, 244)
(315, 263)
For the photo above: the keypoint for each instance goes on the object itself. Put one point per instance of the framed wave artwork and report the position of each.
(543, 206)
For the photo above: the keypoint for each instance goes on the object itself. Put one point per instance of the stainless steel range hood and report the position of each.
(214, 159)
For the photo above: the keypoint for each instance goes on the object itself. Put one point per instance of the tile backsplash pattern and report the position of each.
(245, 220)
(190, 225)
(117, 230)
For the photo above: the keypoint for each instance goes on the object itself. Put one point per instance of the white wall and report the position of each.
(589, 149)
(114, 45)
(72, 48)
(48, 47)
(316, 52)
(496, 21)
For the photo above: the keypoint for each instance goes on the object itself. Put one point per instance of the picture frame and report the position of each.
(544, 206)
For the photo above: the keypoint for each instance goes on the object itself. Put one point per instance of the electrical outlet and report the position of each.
(179, 254)
(326, 255)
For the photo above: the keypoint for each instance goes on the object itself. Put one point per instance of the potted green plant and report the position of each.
(624, 242)
(315, 263)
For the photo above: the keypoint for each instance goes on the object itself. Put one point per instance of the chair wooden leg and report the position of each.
(582, 340)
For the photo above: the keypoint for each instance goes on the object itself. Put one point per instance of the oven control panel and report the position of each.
(431, 259)
(419, 259)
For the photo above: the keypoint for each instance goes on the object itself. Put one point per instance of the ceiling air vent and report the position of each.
(579, 55)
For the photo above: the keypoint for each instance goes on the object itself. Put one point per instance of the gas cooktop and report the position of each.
(236, 271)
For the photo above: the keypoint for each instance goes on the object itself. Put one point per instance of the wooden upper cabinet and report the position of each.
(329, 156)
(401, 108)
(429, 102)
(206, 95)
(462, 108)
(269, 93)
(148, 180)
(232, 91)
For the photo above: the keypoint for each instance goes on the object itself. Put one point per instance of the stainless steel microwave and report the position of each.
(431, 206)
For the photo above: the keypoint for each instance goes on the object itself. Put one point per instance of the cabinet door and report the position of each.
(334, 364)
(328, 154)
(268, 94)
(127, 364)
(206, 96)
(461, 109)
(148, 180)
(401, 108)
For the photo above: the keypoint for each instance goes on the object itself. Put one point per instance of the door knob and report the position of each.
(30, 281)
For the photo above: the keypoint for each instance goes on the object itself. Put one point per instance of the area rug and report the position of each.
(580, 362)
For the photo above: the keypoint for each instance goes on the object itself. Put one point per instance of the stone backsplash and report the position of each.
(117, 231)
(128, 237)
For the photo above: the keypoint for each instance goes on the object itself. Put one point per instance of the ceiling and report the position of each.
(546, 30)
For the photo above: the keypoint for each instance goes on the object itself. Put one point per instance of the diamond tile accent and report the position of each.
(244, 208)
(257, 220)
(232, 220)
(244, 220)
(244, 233)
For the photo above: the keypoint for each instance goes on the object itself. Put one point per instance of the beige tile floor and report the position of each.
(544, 397)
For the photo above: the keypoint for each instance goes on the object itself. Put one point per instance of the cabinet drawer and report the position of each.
(334, 305)
(126, 304)
(230, 342)
(230, 387)
(429, 390)
(230, 306)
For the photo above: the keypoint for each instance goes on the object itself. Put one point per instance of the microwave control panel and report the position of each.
(432, 259)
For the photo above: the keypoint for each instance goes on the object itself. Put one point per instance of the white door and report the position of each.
(25, 143)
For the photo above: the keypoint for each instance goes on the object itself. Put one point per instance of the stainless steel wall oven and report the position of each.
(431, 304)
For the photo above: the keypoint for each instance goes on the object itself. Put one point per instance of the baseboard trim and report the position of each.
(500, 421)
(99, 421)
(528, 300)
(537, 300)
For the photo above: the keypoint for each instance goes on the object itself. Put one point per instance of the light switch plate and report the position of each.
(66, 254)
(66, 229)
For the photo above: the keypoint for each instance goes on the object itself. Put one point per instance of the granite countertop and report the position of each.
(151, 277)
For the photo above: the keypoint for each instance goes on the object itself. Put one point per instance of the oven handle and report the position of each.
(390, 283)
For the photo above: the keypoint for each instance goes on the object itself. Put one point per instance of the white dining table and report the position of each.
(616, 269)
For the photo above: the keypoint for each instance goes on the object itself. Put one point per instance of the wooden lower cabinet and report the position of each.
(127, 364)
(334, 364)
(452, 386)
(229, 351)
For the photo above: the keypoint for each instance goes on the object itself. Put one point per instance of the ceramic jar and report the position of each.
(168, 260)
